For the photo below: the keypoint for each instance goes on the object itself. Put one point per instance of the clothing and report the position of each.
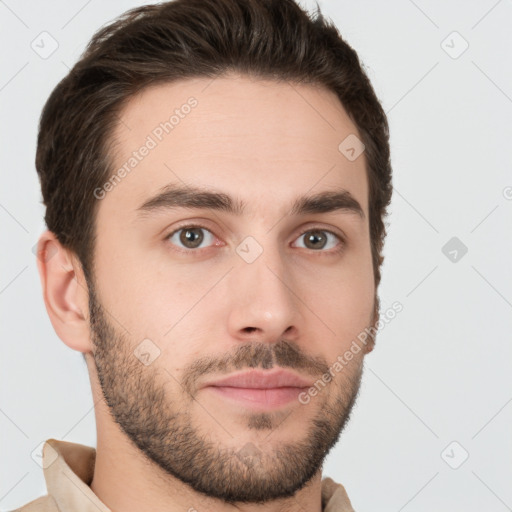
(69, 467)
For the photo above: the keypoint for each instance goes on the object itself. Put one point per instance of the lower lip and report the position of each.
(259, 398)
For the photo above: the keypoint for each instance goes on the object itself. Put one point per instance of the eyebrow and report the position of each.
(176, 196)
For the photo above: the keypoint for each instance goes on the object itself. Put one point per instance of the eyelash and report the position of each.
(336, 250)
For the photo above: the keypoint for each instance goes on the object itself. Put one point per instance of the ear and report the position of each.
(370, 345)
(65, 292)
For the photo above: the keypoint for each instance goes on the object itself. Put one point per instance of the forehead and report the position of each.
(264, 141)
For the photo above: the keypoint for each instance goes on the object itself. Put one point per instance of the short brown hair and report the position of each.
(183, 39)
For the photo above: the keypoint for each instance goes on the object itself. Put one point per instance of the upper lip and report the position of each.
(262, 380)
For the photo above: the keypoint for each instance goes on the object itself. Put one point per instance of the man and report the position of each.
(216, 174)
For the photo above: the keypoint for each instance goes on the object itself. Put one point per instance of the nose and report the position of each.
(264, 305)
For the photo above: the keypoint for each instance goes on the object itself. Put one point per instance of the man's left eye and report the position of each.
(319, 239)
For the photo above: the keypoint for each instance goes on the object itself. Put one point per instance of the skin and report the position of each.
(163, 443)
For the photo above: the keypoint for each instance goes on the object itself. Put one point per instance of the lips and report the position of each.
(257, 379)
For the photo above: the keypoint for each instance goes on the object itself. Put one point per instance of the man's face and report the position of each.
(186, 295)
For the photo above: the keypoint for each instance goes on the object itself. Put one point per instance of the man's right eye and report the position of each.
(190, 237)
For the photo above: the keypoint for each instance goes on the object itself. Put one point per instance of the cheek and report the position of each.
(163, 304)
(343, 295)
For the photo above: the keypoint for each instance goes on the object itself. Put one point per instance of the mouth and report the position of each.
(260, 390)
(254, 398)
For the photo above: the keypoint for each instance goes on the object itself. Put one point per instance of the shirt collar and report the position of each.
(69, 468)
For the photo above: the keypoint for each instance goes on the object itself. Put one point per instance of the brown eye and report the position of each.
(315, 240)
(318, 239)
(190, 237)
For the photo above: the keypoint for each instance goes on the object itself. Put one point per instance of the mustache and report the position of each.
(284, 353)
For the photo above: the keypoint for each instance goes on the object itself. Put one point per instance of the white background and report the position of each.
(441, 370)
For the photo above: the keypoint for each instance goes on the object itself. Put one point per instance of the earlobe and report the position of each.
(369, 347)
(65, 292)
(370, 344)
